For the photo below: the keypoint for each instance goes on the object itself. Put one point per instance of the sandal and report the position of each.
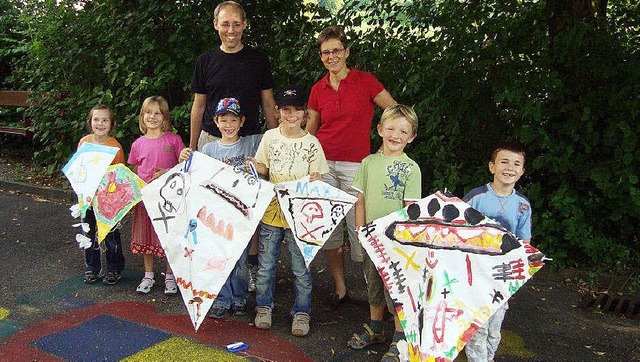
(145, 285)
(170, 286)
(365, 339)
(392, 355)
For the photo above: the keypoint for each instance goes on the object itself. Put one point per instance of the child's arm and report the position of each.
(185, 154)
(159, 172)
(315, 176)
(360, 211)
(261, 168)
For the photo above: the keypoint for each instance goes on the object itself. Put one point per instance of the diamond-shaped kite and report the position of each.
(448, 268)
(117, 193)
(85, 170)
(313, 210)
(205, 213)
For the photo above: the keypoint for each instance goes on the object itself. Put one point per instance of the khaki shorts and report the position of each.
(341, 174)
(377, 293)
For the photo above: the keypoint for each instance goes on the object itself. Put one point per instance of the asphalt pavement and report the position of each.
(48, 314)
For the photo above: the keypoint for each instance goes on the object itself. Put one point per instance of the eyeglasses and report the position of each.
(334, 52)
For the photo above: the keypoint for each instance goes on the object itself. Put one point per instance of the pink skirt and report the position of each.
(144, 239)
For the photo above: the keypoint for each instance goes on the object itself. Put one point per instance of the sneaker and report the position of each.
(90, 277)
(263, 318)
(170, 286)
(111, 278)
(253, 276)
(300, 324)
(238, 309)
(145, 285)
(218, 311)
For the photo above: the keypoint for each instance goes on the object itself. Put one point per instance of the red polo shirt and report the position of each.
(346, 115)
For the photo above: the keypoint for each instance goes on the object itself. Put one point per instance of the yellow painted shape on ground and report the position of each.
(4, 313)
(511, 345)
(180, 349)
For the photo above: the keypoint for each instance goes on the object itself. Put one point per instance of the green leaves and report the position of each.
(564, 83)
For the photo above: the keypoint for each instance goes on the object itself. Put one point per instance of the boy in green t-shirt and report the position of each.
(386, 181)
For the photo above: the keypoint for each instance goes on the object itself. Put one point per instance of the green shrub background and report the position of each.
(562, 76)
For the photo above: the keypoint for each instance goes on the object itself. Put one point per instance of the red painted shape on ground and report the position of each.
(216, 332)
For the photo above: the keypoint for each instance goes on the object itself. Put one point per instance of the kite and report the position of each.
(313, 210)
(448, 268)
(205, 213)
(85, 170)
(117, 193)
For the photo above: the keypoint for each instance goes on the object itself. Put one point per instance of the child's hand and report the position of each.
(315, 176)
(159, 172)
(185, 154)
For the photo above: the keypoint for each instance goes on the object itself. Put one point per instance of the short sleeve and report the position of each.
(134, 154)
(413, 189)
(523, 230)
(262, 154)
(319, 164)
(360, 179)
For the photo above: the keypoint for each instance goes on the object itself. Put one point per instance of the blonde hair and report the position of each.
(164, 109)
(100, 107)
(398, 111)
(305, 118)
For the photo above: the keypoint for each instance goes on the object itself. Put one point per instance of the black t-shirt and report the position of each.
(242, 75)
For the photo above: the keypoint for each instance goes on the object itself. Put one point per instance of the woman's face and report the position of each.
(334, 56)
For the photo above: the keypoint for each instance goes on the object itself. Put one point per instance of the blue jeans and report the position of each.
(235, 289)
(270, 241)
(115, 257)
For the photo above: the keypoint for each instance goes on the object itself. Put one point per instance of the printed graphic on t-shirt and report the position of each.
(285, 156)
(233, 160)
(398, 173)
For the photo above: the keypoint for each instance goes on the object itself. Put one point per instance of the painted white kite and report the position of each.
(85, 170)
(204, 215)
(448, 268)
(313, 210)
(118, 192)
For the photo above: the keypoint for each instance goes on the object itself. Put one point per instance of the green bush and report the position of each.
(561, 76)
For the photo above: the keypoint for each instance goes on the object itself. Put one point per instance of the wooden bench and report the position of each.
(16, 99)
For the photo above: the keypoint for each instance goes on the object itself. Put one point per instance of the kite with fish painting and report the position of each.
(118, 192)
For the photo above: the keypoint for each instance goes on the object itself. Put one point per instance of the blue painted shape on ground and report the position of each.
(8, 328)
(103, 338)
(71, 303)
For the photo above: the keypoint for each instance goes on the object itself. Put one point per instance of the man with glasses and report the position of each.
(341, 106)
(232, 70)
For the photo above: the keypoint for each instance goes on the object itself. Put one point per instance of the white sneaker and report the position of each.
(145, 285)
(300, 324)
(263, 318)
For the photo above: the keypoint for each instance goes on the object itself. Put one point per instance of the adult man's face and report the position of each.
(230, 26)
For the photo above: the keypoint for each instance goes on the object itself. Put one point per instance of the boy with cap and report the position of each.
(232, 150)
(286, 153)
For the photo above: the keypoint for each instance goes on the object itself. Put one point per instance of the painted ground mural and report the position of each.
(448, 268)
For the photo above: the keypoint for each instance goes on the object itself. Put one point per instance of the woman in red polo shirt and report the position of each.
(341, 106)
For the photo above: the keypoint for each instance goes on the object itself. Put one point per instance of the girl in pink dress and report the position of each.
(152, 155)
